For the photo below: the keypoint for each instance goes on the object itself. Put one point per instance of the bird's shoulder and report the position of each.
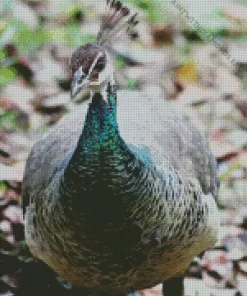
(167, 136)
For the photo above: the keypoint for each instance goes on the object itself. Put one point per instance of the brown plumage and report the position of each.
(85, 55)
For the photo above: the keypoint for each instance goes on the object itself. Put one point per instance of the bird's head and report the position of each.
(90, 64)
(91, 67)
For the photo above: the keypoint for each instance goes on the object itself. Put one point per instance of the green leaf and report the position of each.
(3, 186)
(2, 55)
(215, 14)
(7, 75)
(143, 4)
(132, 84)
(9, 120)
(24, 245)
(7, 33)
(30, 40)
(74, 37)
(72, 11)
(152, 10)
(119, 62)
(231, 169)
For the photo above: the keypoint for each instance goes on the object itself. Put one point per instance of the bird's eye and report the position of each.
(83, 75)
(76, 64)
(100, 65)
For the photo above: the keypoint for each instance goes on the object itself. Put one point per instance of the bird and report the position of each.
(121, 194)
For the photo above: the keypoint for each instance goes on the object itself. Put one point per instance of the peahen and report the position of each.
(120, 195)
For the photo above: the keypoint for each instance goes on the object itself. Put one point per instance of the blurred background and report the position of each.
(192, 53)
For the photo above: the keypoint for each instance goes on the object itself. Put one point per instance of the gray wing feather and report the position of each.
(153, 123)
(49, 152)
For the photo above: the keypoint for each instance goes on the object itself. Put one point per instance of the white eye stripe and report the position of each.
(79, 74)
(95, 62)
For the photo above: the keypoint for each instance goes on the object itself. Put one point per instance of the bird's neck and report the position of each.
(102, 162)
(100, 131)
(100, 149)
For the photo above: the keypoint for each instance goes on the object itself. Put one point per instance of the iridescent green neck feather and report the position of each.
(101, 153)
(103, 172)
(100, 131)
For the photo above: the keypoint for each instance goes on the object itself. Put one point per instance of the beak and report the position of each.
(79, 81)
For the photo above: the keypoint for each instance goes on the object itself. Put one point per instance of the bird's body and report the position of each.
(120, 195)
(119, 226)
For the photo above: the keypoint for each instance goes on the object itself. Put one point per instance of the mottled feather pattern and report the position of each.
(120, 195)
(161, 215)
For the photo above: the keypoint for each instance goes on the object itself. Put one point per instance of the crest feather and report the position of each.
(115, 22)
